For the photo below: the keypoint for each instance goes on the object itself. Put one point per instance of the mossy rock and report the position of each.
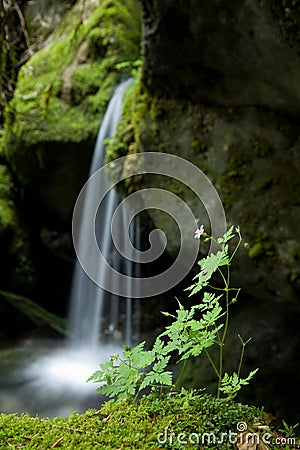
(222, 53)
(60, 98)
(149, 424)
(7, 207)
(247, 154)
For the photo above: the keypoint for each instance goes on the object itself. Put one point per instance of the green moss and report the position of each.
(295, 252)
(267, 181)
(7, 208)
(257, 250)
(35, 313)
(127, 137)
(261, 249)
(61, 96)
(260, 147)
(131, 425)
(7, 214)
(62, 92)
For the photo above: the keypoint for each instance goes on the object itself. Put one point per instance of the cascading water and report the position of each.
(89, 302)
(99, 322)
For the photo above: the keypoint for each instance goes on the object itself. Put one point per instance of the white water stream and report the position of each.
(93, 311)
(99, 323)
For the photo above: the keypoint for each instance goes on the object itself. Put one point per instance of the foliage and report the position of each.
(125, 376)
(7, 208)
(7, 191)
(63, 90)
(35, 313)
(137, 102)
(141, 425)
(193, 332)
(160, 419)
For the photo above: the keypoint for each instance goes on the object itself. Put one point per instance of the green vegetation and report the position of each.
(35, 313)
(127, 139)
(151, 410)
(61, 95)
(167, 416)
(7, 208)
(195, 332)
(261, 248)
(52, 121)
(146, 425)
(63, 90)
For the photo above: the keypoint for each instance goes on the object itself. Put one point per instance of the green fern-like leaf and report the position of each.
(161, 364)
(163, 379)
(227, 236)
(209, 265)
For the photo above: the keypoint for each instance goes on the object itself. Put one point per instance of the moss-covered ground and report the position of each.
(177, 422)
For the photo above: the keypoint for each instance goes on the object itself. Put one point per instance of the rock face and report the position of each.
(251, 155)
(220, 87)
(60, 98)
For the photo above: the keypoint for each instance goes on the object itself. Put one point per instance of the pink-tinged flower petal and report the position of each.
(199, 232)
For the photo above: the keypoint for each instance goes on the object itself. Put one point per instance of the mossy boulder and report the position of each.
(60, 98)
(218, 87)
(49, 133)
(252, 157)
(180, 421)
(247, 154)
(242, 53)
(213, 93)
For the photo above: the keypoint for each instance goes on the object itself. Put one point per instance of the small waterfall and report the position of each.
(93, 311)
(55, 380)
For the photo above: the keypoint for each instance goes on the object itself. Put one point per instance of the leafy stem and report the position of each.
(182, 370)
(192, 333)
(214, 367)
(237, 245)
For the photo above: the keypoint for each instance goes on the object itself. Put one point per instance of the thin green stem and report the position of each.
(215, 288)
(215, 241)
(242, 353)
(222, 275)
(181, 373)
(241, 360)
(236, 248)
(225, 329)
(222, 343)
(214, 367)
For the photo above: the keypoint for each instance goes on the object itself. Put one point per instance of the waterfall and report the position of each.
(99, 323)
(93, 311)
